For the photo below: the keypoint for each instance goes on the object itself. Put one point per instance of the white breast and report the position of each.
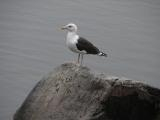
(72, 40)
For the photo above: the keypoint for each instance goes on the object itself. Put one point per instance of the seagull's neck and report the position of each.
(71, 35)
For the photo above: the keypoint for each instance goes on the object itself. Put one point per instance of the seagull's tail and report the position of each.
(102, 54)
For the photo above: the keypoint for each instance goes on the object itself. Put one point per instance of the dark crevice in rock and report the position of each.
(129, 107)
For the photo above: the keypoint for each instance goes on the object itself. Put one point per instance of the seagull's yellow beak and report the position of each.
(63, 27)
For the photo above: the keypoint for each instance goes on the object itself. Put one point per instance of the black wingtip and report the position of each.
(102, 54)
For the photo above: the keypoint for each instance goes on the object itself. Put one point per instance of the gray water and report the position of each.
(32, 44)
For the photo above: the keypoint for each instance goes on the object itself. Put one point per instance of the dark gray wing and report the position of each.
(84, 44)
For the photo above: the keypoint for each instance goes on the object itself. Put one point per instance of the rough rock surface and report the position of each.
(72, 92)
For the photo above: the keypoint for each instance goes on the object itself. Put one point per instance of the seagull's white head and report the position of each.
(71, 27)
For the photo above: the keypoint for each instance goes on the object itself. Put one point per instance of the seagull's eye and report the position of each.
(69, 26)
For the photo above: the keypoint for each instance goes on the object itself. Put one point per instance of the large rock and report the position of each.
(72, 92)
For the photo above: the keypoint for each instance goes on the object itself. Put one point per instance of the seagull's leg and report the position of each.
(78, 58)
(81, 59)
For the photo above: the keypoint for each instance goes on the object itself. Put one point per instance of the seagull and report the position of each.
(79, 44)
